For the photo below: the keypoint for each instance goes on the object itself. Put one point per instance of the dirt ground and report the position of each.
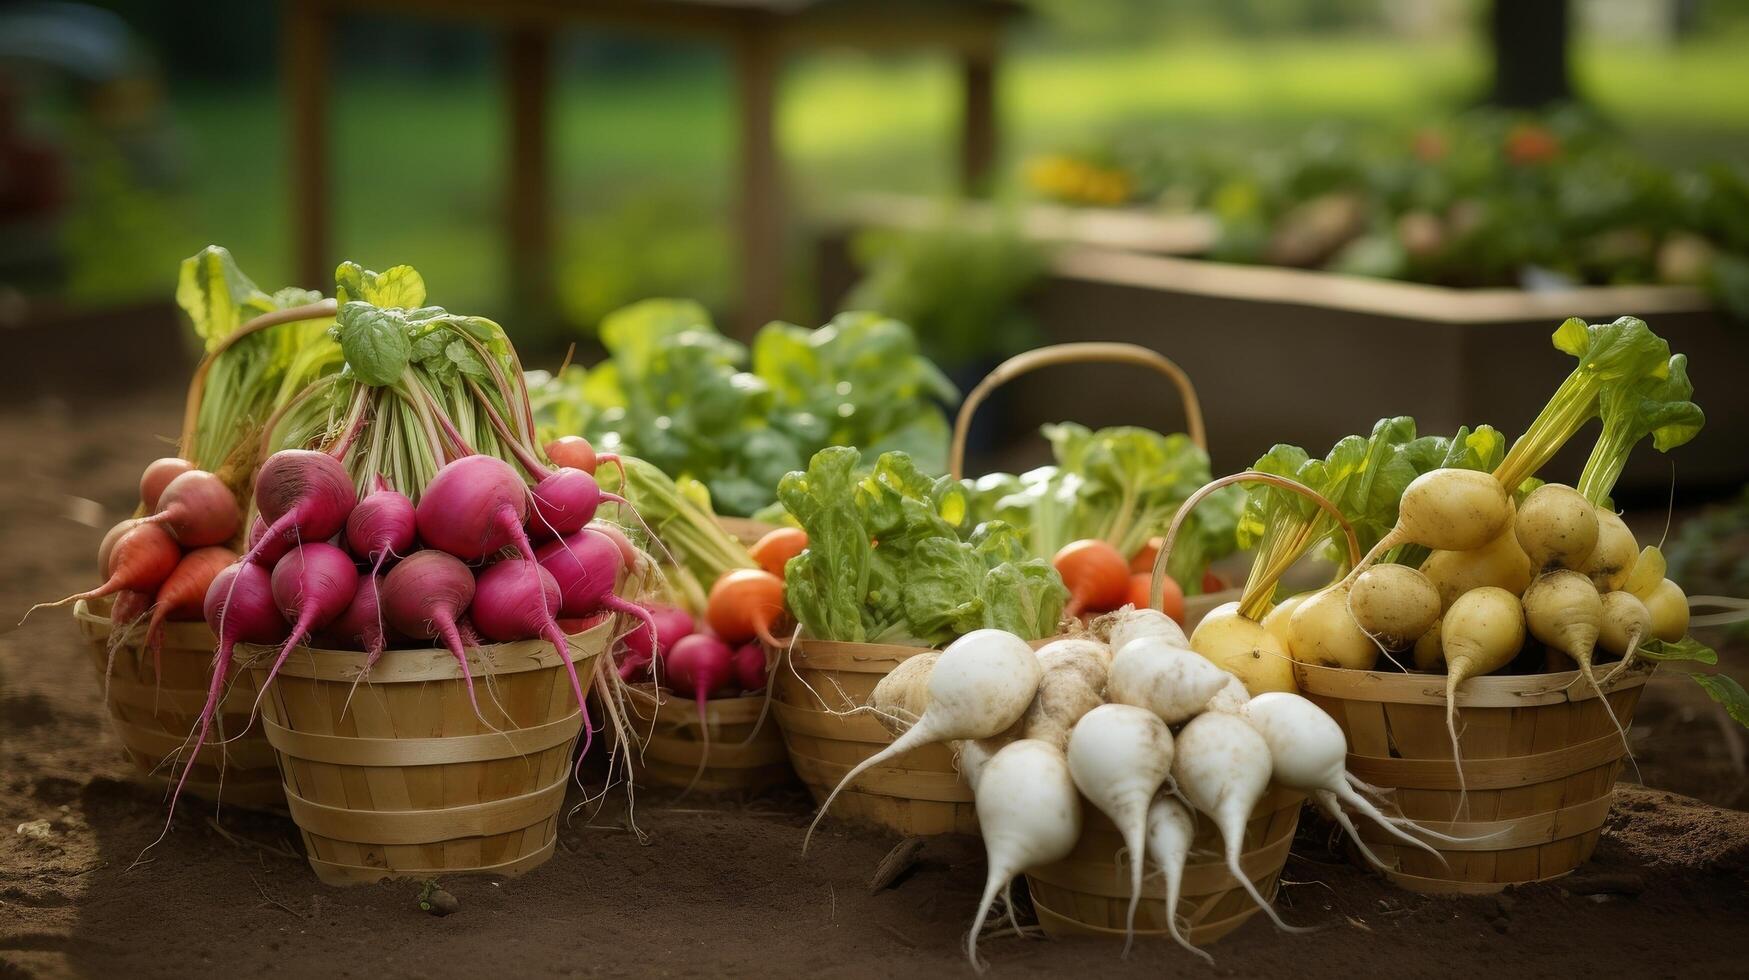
(718, 889)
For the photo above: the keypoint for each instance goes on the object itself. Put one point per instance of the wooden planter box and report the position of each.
(1287, 355)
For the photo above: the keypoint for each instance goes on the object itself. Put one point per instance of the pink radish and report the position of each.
(586, 564)
(198, 510)
(671, 625)
(515, 599)
(239, 608)
(424, 595)
(312, 586)
(303, 495)
(381, 525)
(157, 476)
(628, 552)
(360, 626)
(565, 500)
(750, 667)
(473, 507)
(700, 667)
(270, 553)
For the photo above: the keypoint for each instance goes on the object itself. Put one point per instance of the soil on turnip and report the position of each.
(717, 889)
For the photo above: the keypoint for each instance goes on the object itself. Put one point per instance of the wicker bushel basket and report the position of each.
(917, 794)
(1540, 759)
(1088, 892)
(743, 754)
(154, 713)
(400, 779)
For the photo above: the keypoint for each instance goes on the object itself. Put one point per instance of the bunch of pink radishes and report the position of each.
(689, 658)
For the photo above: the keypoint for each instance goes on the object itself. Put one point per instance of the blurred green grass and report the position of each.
(417, 160)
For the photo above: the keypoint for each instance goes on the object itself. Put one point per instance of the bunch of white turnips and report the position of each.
(1128, 718)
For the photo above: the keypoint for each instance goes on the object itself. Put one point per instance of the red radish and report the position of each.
(1097, 576)
(424, 595)
(105, 549)
(303, 495)
(515, 599)
(628, 552)
(142, 558)
(158, 474)
(473, 507)
(183, 594)
(587, 565)
(127, 609)
(381, 525)
(671, 626)
(361, 626)
(1171, 596)
(572, 451)
(744, 604)
(239, 608)
(699, 666)
(312, 585)
(750, 667)
(777, 547)
(198, 510)
(268, 554)
(564, 501)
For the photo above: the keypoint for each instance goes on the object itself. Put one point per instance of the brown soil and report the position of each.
(717, 889)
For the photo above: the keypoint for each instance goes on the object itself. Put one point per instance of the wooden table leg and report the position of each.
(306, 26)
(528, 199)
(759, 207)
(978, 122)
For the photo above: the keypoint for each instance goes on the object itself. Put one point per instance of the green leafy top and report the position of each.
(699, 405)
(1122, 485)
(1657, 405)
(1610, 355)
(684, 524)
(891, 558)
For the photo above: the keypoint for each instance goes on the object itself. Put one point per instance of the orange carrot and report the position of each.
(777, 547)
(1097, 576)
(744, 604)
(142, 559)
(1171, 600)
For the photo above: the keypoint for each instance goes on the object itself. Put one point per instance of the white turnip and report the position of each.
(1119, 755)
(1029, 814)
(1172, 682)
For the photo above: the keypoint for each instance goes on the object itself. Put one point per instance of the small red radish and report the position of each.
(1097, 576)
(107, 547)
(380, 526)
(360, 626)
(239, 608)
(268, 554)
(744, 604)
(750, 667)
(142, 557)
(572, 451)
(628, 552)
(157, 476)
(303, 495)
(700, 667)
(424, 595)
(671, 625)
(565, 500)
(183, 594)
(198, 510)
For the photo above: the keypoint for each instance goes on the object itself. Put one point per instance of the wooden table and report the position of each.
(758, 33)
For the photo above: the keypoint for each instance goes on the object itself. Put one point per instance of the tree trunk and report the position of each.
(1530, 53)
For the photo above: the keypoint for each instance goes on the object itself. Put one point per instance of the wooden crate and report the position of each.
(1540, 759)
(154, 710)
(1088, 892)
(400, 779)
(744, 752)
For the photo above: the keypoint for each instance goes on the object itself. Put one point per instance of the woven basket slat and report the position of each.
(1540, 759)
(744, 754)
(154, 713)
(398, 778)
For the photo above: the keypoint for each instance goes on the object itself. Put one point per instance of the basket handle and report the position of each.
(1092, 352)
(1157, 586)
(197, 384)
